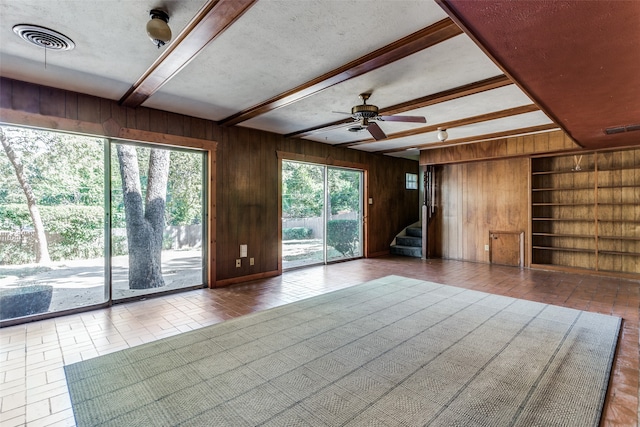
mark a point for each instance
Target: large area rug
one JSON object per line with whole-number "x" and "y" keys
{"x": 390, "y": 352}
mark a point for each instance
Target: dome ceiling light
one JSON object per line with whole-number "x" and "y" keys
{"x": 158, "y": 27}
{"x": 442, "y": 135}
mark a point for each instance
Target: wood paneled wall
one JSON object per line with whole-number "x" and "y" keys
{"x": 246, "y": 179}
{"x": 474, "y": 198}
{"x": 541, "y": 143}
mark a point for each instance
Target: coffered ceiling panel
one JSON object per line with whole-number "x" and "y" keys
{"x": 427, "y": 72}
{"x": 278, "y": 45}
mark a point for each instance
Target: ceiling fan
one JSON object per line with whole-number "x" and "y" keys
{"x": 365, "y": 114}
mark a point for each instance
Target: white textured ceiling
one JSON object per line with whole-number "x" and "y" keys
{"x": 274, "y": 47}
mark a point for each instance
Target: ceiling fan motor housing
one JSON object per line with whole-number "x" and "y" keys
{"x": 364, "y": 111}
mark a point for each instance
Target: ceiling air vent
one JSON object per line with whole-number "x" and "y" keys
{"x": 43, "y": 37}
{"x": 621, "y": 129}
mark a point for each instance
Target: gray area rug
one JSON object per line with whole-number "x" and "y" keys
{"x": 390, "y": 352}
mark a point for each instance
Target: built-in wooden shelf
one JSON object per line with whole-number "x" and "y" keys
{"x": 564, "y": 204}
{"x": 636, "y": 239}
{"x": 617, "y": 204}
{"x": 571, "y": 208}
{"x": 562, "y": 188}
{"x": 578, "y": 236}
{"x": 557, "y": 248}
{"x": 602, "y": 187}
{"x": 630, "y": 221}
{"x": 635, "y": 254}
{"x": 571, "y": 171}
{"x": 565, "y": 219}
{"x": 622, "y": 168}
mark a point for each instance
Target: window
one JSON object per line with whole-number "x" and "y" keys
{"x": 321, "y": 213}
{"x": 65, "y": 241}
{"x": 411, "y": 181}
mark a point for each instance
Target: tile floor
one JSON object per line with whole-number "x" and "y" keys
{"x": 33, "y": 389}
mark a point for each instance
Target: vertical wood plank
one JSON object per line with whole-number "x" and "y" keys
{"x": 88, "y": 109}
{"x": 71, "y": 105}
{"x": 6, "y": 90}
{"x": 52, "y": 102}
{"x": 25, "y": 97}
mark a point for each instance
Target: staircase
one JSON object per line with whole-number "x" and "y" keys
{"x": 408, "y": 242}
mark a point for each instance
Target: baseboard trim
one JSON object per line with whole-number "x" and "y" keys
{"x": 242, "y": 279}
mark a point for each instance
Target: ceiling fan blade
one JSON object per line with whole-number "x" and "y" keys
{"x": 376, "y": 132}
{"x": 413, "y": 119}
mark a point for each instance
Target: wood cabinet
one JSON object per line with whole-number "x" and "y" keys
{"x": 585, "y": 211}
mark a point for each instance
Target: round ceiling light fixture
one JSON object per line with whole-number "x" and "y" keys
{"x": 44, "y": 38}
{"x": 442, "y": 135}
{"x": 158, "y": 27}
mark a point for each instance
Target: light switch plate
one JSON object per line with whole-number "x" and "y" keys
{"x": 243, "y": 251}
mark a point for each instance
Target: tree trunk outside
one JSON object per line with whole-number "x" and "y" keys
{"x": 145, "y": 225}
{"x": 42, "y": 248}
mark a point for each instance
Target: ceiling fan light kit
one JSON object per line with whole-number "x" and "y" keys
{"x": 158, "y": 27}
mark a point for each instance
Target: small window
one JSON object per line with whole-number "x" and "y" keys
{"x": 411, "y": 181}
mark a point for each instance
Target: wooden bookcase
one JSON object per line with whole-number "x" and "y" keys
{"x": 585, "y": 211}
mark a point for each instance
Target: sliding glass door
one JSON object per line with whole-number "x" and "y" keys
{"x": 157, "y": 227}
{"x": 321, "y": 214}
{"x": 52, "y": 222}
{"x": 344, "y": 214}
{"x": 84, "y": 221}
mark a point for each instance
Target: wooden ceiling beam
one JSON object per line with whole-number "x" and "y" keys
{"x": 425, "y": 101}
{"x": 494, "y": 115}
{"x": 211, "y": 21}
{"x": 420, "y": 40}
{"x": 477, "y": 138}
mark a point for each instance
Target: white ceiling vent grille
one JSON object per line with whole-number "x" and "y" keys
{"x": 43, "y": 37}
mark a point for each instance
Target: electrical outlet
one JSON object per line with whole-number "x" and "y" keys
{"x": 252, "y": 261}
{"x": 238, "y": 263}
{"x": 486, "y": 248}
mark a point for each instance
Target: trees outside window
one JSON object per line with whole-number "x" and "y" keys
{"x": 54, "y": 225}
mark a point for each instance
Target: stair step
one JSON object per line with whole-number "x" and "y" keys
{"x": 411, "y": 251}
{"x": 409, "y": 241}
{"x": 414, "y": 231}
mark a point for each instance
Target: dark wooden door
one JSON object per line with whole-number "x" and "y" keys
{"x": 506, "y": 247}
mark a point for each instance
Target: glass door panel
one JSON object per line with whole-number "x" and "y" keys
{"x": 344, "y": 214}
{"x": 321, "y": 214}
{"x": 52, "y": 222}
{"x": 156, "y": 218}
{"x": 303, "y": 214}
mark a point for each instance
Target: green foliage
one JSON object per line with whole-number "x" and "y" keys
{"x": 66, "y": 174}
{"x": 75, "y": 232}
{"x": 296, "y": 233}
{"x": 302, "y": 190}
{"x": 119, "y": 245}
{"x": 184, "y": 189}
{"x": 60, "y": 168}
{"x": 344, "y": 190}
{"x": 343, "y": 235}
